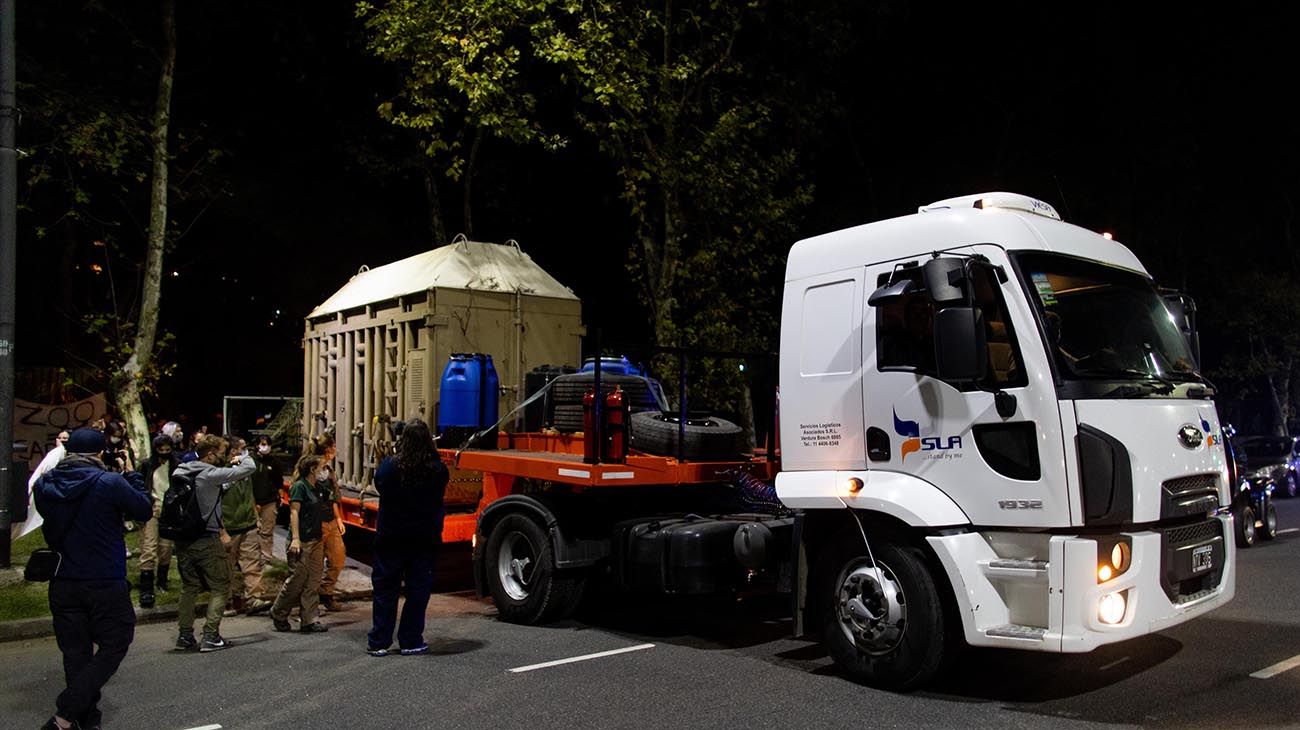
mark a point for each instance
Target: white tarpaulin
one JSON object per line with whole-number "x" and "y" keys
{"x": 464, "y": 265}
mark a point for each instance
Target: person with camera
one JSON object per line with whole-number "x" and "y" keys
{"x": 83, "y": 505}
{"x": 203, "y": 560}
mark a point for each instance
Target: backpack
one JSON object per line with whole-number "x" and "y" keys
{"x": 180, "y": 519}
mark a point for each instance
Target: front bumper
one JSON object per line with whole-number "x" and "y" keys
{"x": 1011, "y": 597}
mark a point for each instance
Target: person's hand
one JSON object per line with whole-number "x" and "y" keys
{"x": 295, "y": 549}
{"x": 225, "y": 539}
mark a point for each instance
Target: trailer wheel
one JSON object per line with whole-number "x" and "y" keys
{"x": 521, "y": 575}
{"x": 1270, "y": 522}
{"x": 707, "y": 438}
{"x": 1245, "y": 518}
{"x": 884, "y": 628}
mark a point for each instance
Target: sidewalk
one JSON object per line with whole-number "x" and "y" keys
{"x": 354, "y": 584}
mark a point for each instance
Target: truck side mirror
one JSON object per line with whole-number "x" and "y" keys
{"x": 945, "y": 280}
{"x": 961, "y": 351}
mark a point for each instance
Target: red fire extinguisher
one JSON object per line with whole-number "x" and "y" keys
{"x": 616, "y": 423}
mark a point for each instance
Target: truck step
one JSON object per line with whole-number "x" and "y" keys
{"x": 1015, "y": 631}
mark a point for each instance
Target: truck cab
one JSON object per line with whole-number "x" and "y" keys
{"x": 995, "y": 432}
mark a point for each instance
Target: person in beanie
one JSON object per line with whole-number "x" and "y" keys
{"x": 84, "y": 505}
{"x": 155, "y": 552}
{"x": 411, "y": 487}
{"x": 203, "y": 560}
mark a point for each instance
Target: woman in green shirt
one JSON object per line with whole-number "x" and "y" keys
{"x": 306, "y": 551}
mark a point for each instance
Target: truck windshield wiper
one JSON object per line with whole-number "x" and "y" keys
{"x": 1148, "y": 382}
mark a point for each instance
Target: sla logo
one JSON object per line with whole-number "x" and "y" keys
{"x": 1211, "y": 438}
{"x": 914, "y": 442}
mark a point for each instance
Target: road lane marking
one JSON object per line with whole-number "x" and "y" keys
{"x": 582, "y": 658}
{"x": 1289, "y": 529}
{"x": 1115, "y": 663}
{"x": 1276, "y": 669}
{"x": 206, "y": 727}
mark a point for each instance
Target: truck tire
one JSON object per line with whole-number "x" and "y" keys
{"x": 707, "y": 439}
{"x": 521, "y": 574}
{"x": 892, "y": 639}
{"x": 1245, "y": 519}
{"x": 1270, "y": 522}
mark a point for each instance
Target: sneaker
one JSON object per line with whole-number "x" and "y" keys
{"x": 213, "y": 643}
{"x": 281, "y": 624}
{"x": 258, "y": 605}
{"x": 377, "y": 652}
{"x": 421, "y": 649}
{"x": 186, "y": 642}
{"x": 314, "y": 627}
{"x": 51, "y": 724}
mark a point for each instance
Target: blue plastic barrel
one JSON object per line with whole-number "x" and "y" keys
{"x": 459, "y": 405}
{"x": 491, "y": 403}
{"x": 612, "y": 365}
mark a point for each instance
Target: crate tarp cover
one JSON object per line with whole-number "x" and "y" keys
{"x": 379, "y": 344}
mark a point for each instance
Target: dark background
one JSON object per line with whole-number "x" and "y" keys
{"x": 1169, "y": 126}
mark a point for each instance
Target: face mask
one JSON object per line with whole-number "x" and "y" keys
{"x": 263, "y": 449}
{"x": 115, "y": 440}
{"x": 164, "y": 454}
{"x": 322, "y": 476}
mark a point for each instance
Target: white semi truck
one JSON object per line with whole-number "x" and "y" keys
{"x": 992, "y": 432}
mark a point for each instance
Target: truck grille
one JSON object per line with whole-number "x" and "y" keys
{"x": 1181, "y": 548}
{"x": 1191, "y": 495}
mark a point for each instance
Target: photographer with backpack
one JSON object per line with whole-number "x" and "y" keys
{"x": 90, "y": 602}
{"x": 200, "y": 537}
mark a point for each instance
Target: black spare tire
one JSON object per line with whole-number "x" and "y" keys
{"x": 708, "y": 438}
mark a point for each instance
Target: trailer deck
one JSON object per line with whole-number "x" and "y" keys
{"x": 554, "y": 458}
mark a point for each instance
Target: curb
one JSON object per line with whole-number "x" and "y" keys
{"x": 43, "y": 626}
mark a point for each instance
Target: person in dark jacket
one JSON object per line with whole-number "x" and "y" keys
{"x": 411, "y": 487}
{"x": 267, "y": 482}
{"x": 84, "y": 506}
{"x": 155, "y": 552}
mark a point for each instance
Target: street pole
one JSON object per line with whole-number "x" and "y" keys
{"x": 8, "y": 261}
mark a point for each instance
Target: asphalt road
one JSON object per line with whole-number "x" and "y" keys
{"x": 716, "y": 668}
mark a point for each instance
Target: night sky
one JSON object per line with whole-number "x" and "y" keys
{"x": 1170, "y": 127}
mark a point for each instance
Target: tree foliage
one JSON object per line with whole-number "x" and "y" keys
{"x": 700, "y": 126}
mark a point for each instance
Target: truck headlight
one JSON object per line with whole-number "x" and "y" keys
{"x": 1114, "y": 555}
{"x": 1111, "y": 608}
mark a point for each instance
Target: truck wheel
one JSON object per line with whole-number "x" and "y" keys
{"x": 707, "y": 438}
{"x": 521, "y": 575}
{"x": 1245, "y": 518}
{"x": 885, "y": 628}
{"x": 1270, "y": 522}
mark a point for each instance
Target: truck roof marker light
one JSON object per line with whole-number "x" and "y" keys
{"x": 1108, "y": 235}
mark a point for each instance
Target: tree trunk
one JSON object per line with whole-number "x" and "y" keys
{"x": 437, "y": 231}
{"x": 129, "y": 379}
{"x": 470, "y": 164}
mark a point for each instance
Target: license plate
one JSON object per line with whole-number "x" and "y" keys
{"x": 1202, "y": 558}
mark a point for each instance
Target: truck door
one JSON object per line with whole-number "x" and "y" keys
{"x": 1001, "y": 469}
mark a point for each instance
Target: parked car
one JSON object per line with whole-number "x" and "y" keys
{"x": 1289, "y": 485}
{"x": 1262, "y": 462}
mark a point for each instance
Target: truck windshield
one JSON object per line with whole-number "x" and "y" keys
{"x": 1105, "y": 324}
